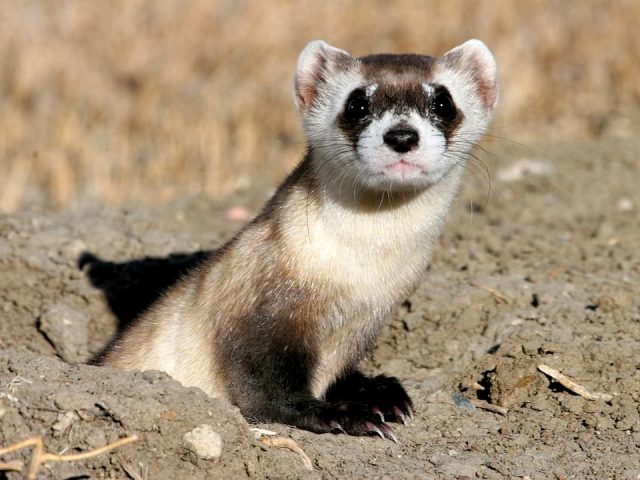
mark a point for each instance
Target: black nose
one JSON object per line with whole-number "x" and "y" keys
{"x": 401, "y": 139}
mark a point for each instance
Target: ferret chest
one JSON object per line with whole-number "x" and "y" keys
{"x": 372, "y": 259}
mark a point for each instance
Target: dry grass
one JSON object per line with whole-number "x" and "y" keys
{"x": 122, "y": 101}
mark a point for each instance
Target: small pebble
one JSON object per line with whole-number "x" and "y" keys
{"x": 523, "y": 168}
{"x": 463, "y": 402}
{"x": 413, "y": 320}
{"x": 204, "y": 441}
{"x": 625, "y": 205}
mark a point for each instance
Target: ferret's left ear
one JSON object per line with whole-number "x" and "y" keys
{"x": 316, "y": 64}
{"x": 475, "y": 59}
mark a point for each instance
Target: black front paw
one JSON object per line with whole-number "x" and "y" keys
{"x": 384, "y": 396}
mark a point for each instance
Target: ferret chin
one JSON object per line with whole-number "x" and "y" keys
{"x": 277, "y": 320}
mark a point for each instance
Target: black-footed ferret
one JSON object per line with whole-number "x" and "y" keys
{"x": 277, "y": 319}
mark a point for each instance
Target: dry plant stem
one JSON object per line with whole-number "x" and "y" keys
{"x": 284, "y": 442}
{"x": 499, "y": 296}
{"x": 571, "y": 385}
{"x": 490, "y": 408}
{"x": 39, "y": 456}
{"x": 13, "y": 466}
{"x": 20, "y": 445}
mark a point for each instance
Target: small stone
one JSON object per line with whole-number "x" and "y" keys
{"x": 524, "y": 168}
{"x": 463, "y": 402}
{"x": 625, "y": 204}
{"x": 413, "y": 320}
{"x": 204, "y": 441}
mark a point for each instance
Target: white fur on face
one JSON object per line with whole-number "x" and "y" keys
{"x": 384, "y": 168}
{"x": 373, "y": 164}
{"x": 333, "y": 154}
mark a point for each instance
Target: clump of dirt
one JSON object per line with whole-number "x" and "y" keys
{"x": 83, "y": 408}
{"x": 545, "y": 272}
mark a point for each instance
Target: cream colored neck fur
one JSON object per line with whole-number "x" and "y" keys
{"x": 375, "y": 246}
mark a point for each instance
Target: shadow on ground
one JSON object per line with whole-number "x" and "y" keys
{"x": 131, "y": 287}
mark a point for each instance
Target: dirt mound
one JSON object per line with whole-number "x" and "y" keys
{"x": 546, "y": 272}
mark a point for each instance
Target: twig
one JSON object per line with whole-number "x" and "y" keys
{"x": 477, "y": 387}
{"x": 40, "y": 456}
{"x": 499, "y": 296}
{"x": 13, "y": 466}
{"x": 284, "y": 442}
{"x": 489, "y": 407}
{"x": 573, "y": 386}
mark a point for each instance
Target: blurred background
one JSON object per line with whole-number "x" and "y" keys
{"x": 125, "y": 102}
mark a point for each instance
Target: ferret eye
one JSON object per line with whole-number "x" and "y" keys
{"x": 357, "y": 107}
{"x": 442, "y": 105}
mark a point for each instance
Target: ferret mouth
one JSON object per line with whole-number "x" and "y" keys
{"x": 403, "y": 169}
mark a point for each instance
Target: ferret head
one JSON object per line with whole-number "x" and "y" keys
{"x": 393, "y": 122}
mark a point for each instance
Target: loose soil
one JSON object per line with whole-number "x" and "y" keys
{"x": 543, "y": 270}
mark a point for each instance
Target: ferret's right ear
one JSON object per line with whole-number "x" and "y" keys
{"x": 316, "y": 64}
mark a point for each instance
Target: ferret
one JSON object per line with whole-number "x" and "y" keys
{"x": 277, "y": 320}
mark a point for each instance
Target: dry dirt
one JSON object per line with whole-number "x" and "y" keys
{"x": 545, "y": 272}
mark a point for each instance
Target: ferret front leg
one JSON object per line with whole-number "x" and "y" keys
{"x": 270, "y": 383}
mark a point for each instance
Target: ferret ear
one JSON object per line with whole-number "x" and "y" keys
{"x": 316, "y": 64}
{"x": 474, "y": 59}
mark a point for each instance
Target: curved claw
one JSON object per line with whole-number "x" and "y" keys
{"x": 373, "y": 428}
{"x": 398, "y": 413}
{"x": 378, "y": 412}
{"x": 389, "y": 434}
{"x": 336, "y": 426}
{"x": 408, "y": 409}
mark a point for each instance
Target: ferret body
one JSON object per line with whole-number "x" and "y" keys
{"x": 277, "y": 320}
